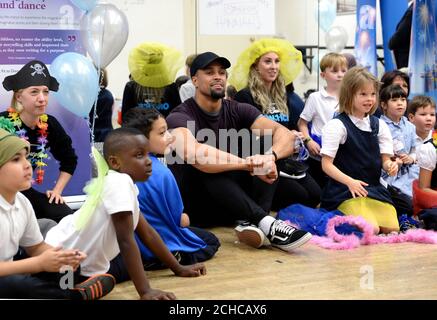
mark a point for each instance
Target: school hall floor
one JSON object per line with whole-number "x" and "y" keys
{"x": 384, "y": 271}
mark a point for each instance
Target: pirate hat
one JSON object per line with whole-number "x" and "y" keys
{"x": 34, "y": 73}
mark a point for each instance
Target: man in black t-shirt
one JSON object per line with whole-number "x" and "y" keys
{"x": 221, "y": 181}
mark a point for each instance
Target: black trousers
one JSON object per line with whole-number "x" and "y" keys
{"x": 44, "y": 209}
{"x": 304, "y": 191}
{"x": 119, "y": 271}
{"x": 402, "y": 202}
{"x": 43, "y": 285}
{"x": 223, "y": 198}
{"x": 315, "y": 170}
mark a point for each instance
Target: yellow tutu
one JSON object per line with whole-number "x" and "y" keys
{"x": 154, "y": 65}
{"x": 290, "y": 57}
{"x": 378, "y": 213}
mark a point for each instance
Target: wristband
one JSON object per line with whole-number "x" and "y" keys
{"x": 275, "y": 155}
{"x": 307, "y": 139}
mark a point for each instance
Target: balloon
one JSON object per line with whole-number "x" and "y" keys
{"x": 326, "y": 14}
{"x": 336, "y": 39}
{"x": 104, "y": 33}
{"x": 85, "y": 5}
{"x": 78, "y": 82}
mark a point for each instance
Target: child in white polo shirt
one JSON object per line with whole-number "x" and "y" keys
{"x": 104, "y": 229}
{"x": 34, "y": 277}
{"x": 320, "y": 108}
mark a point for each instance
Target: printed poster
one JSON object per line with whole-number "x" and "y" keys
{"x": 42, "y": 30}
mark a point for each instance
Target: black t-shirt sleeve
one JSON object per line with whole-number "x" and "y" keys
{"x": 179, "y": 117}
{"x": 61, "y": 146}
{"x": 247, "y": 114}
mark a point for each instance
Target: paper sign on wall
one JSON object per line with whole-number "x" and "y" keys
{"x": 236, "y": 17}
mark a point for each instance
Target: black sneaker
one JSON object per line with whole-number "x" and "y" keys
{"x": 96, "y": 286}
{"x": 250, "y": 234}
{"x": 286, "y": 237}
{"x": 292, "y": 168}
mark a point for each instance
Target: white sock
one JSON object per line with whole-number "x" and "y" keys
{"x": 265, "y": 224}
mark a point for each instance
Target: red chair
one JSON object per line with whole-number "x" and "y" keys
{"x": 422, "y": 199}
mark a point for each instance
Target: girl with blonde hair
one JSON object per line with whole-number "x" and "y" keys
{"x": 27, "y": 119}
{"x": 356, "y": 146}
{"x": 261, "y": 74}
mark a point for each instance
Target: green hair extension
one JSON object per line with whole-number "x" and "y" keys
{"x": 94, "y": 190}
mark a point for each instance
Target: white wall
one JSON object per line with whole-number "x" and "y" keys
{"x": 173, "y": 22}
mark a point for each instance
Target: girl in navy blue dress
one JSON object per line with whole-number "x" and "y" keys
{"x": 356, "y": 146}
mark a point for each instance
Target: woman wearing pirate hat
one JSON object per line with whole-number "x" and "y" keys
{"x": 26, "y": 118}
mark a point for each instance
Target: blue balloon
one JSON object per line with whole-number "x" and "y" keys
{"x": 326, "y": 15}
{"x": 86, "y": 5}
{"x": 78, "y": 82}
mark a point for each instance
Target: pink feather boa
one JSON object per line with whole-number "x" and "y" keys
{"x": 337, "y": 241}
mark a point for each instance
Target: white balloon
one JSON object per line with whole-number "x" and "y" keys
{"x": 336, "y": 39}
{"x": 105, "y": 30}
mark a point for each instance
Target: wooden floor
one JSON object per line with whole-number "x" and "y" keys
{"x": 388, "y": 271}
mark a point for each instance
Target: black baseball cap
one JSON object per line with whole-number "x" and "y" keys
{"x": 205, "y": 59}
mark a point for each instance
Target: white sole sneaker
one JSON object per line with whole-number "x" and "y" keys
{"x": 291, "y": 246}
{"x": 250, "y": 235}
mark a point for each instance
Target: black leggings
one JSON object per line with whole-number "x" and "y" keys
{"x": 44, "y": 209}
{"x": 221, "y": 199}
{"x": 44, "y": 285}
{"x": 289, "y": 191}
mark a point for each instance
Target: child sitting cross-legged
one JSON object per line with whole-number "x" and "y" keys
{"x": 104, "y": 227}
{"x": 35, "y": 276}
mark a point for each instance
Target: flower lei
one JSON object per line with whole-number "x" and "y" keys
{"x": 36, "y": 158}
{"x": 434, "y": 138}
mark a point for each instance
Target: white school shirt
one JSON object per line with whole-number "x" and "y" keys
{"x": 18, "y": 227}
{"x": 98, "y": 239}
{"x": 420, "y": 141}
{"x": 426, "y": 156}
{"x": 334, "y": 134}
{"x": 187, "y": 90}
{"x": 319, "y": 109}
